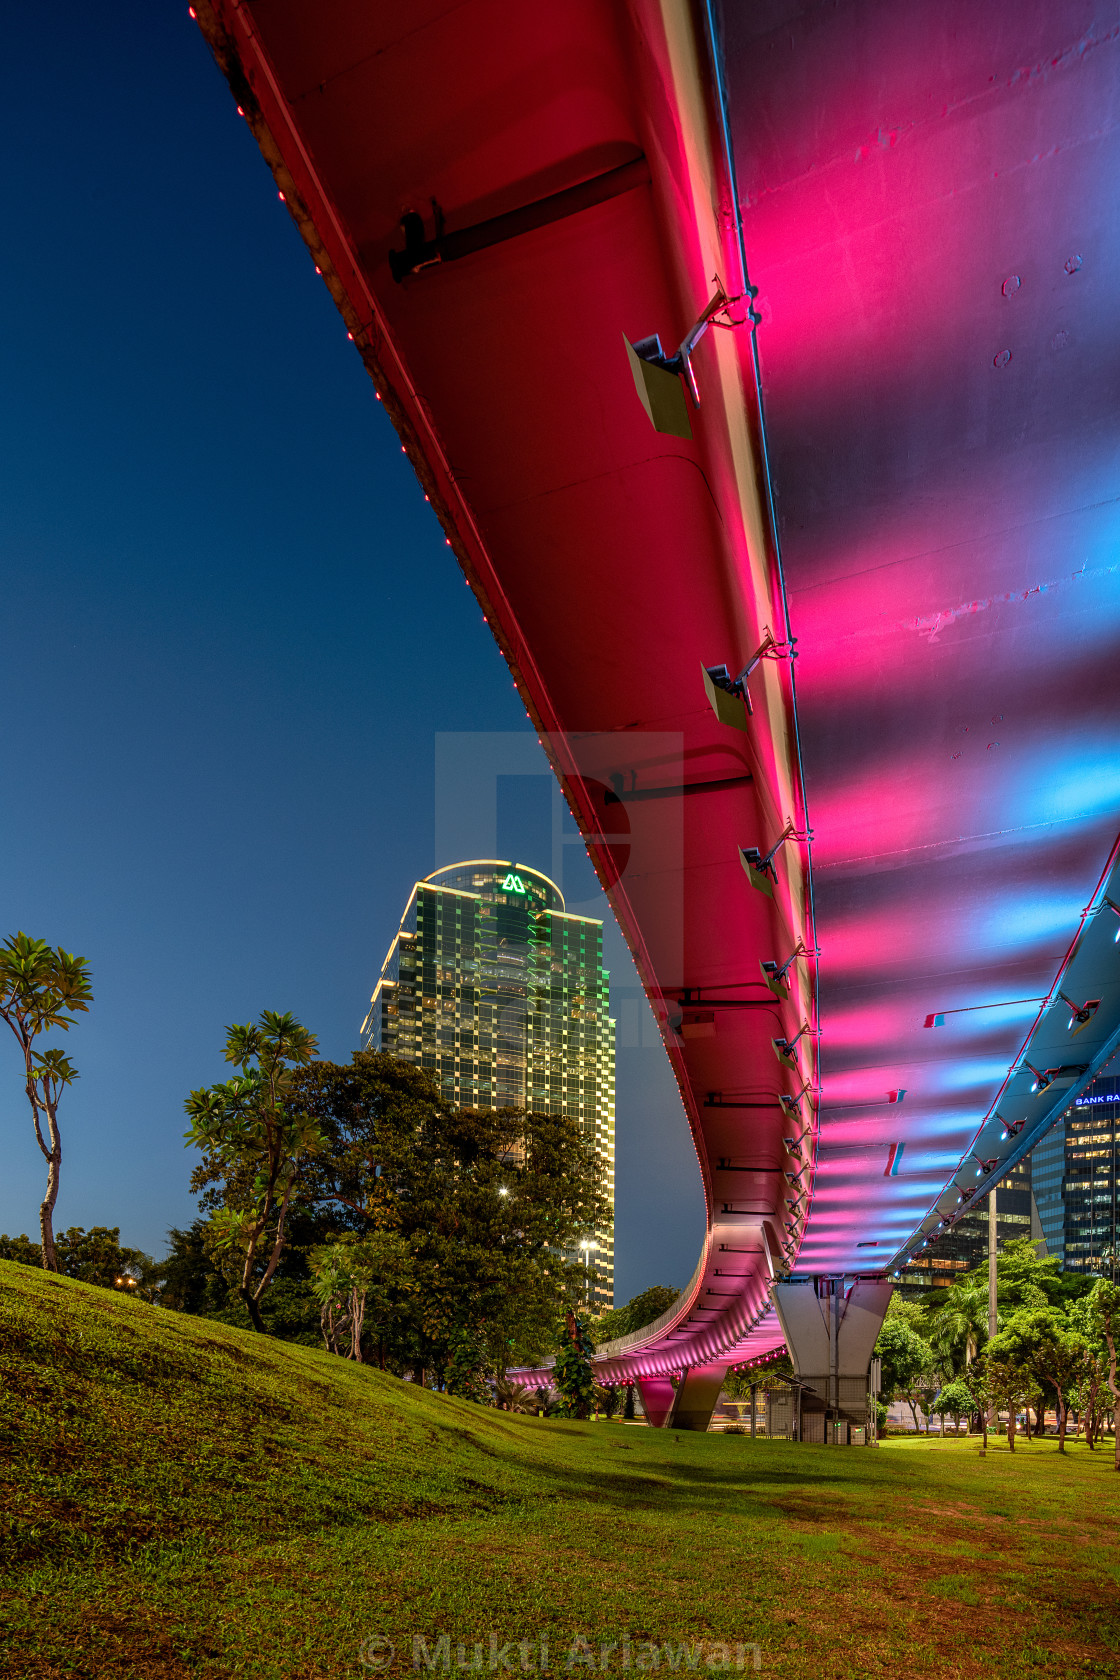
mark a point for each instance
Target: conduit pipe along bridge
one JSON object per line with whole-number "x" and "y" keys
{"x": 869, "y": 892}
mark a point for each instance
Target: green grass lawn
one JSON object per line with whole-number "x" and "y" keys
{"x": 183, "y": 1499}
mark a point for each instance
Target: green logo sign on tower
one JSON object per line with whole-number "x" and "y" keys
{"x": 513, "y": 883}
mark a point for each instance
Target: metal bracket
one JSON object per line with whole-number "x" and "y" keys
{"x": 784, "y": 1047}
{"x": 760, "y": 870}
{"x": 774, "y": 974}
{"x": 768, "y": 648}
{"x": 650, "y": 349}
{"x": 1080, "y": 1013}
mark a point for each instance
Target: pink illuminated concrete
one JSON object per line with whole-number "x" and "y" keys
{"x": 925, "y": 199}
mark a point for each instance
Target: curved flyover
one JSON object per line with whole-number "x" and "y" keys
{"x": 929, "y": 230}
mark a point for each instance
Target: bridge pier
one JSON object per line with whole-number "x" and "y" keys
{"x": 657, "y": 1400}
{"x": 697, "y": 1394}
{"x": 831, "y": 1325}
{"x": 691, "y": 1404}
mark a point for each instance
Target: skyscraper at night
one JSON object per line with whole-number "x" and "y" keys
{"x": 1075, "y": 1175}
{"x": 499, "y": 991}
{"x": 952, "y": 1253}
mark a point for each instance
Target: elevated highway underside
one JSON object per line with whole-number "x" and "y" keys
{"x": 910, "y": 466}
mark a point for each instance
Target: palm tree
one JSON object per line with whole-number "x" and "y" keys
{"x": 960, "y": 1324}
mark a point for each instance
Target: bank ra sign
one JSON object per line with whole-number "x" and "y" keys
{"x": 513, "y": 883}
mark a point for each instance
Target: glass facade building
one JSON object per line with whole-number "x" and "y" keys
{"x": 496, "y": 988}
{"x": 965, "y": 1245}
{"x": 1075, "y": 1176}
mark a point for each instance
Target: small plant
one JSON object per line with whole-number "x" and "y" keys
{"x": 735, "y": 1429}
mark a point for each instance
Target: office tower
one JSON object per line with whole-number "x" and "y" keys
{"x": 1075, "y": 1175}
{"x": 502, "y": 993}
{"x": 965, "y": 1245}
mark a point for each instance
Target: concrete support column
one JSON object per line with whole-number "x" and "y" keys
{"x": 697, "y": 1394}
{"x": 657, "y": 1400}
{"x": 831, "y": 1326}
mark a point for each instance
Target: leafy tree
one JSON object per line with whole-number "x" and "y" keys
{"x": 463, "y": 1374}
{"x": 1104, "y": 1310}
{"x": 1089, "y": 1396}
{"x": 192, "y": 1281}
{"x": 639, "y": 1311}
{"x": 956, "y": 1399}
{"x": 1039, "y": 1341}
{"x": 572, "y": 1371}
{"x": 43, "y": 987}
{"x": 488, "y": 1202}
{"x": 94, "y": 1256}
{"x": 21, "y": 1250}
{"x": 906, "y": 1359}
{"x": 354, "y": 1271}
{"x": 999, "y": 1382}
{"x": 253, "y": 1142}
{"x": 609, "y": 1399}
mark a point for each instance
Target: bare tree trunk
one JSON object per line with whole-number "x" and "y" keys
{"x": 1011, "y": 1428}
{"x": 357, "y": 1318}
{"x": 253, "y": 1310}
{"x": 46, "y": 1209}
{"x": 53, "y": 1155}
{"x": 1062, "y": 1418}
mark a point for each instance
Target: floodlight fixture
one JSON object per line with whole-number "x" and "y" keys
{"x": 774, "y": 974}
{"x": 1080, "y": 1013}
{"x": 1056, "y": 1077}
{"x": 784, "y": 1047}
{"x": 722, "y": 689}
{"x": 759, "y": 869}
{"x": 658, "y": 377}
{"x": 1041, "y": 1080}
{"x": 1011, "y": 1128}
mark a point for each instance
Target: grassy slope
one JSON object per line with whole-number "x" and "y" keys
{"x": 187, "y": 1499}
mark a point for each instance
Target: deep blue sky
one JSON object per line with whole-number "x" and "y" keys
{"x": 231, "y": 633}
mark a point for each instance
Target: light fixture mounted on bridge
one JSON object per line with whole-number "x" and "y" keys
{"x": 723, "y": 690}
{"x": 759, "y": 870}
{"x": 1055, "y": 1078}
{"x": 1011, "y": 1128}
{"x": 1080, "y": 1013}
{"x": 657, "y": 377}
{"x": 792, "y": 1105}
{"x": 774, "y": 974}
{"x": 784, "y": 1047}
